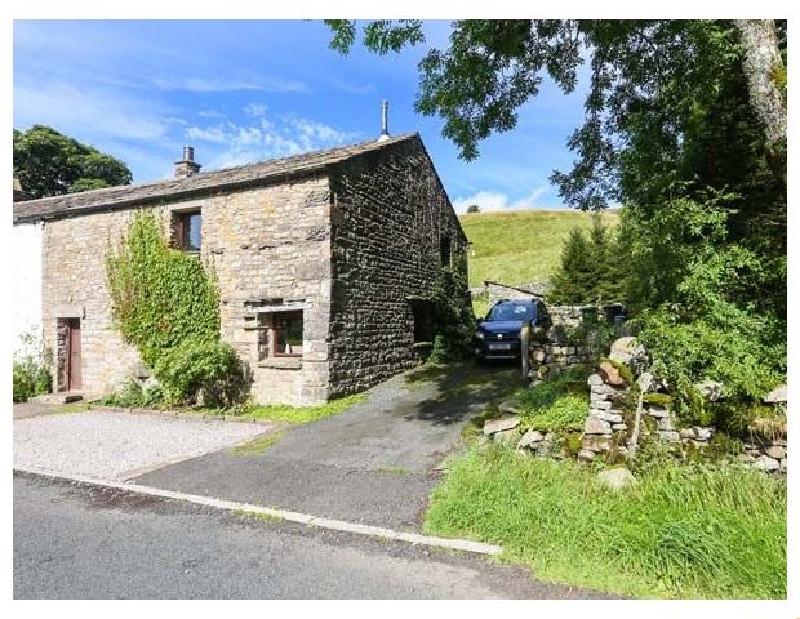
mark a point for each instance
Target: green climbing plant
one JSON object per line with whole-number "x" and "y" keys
{"x": 166, "y": 303}
{"x": 160, "y": 296}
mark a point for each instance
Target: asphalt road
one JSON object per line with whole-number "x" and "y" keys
{"x": 77, "y": 542}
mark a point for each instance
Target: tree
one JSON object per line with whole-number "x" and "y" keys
{"x": 48, "y": 163}
{"x": 766, "y": 78}
{"x": 590, "y": 271}
{"x": 645, "y": 73}
{"x": 473, "y": 208}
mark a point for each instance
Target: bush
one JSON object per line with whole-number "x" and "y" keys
{"x": 31, "y": 373}
{"x": 24, "y": 387}
{"x": 197, "y": 369}
{"x": 133, "y": 395}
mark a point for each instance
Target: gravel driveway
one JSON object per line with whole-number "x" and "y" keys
{"x": 118, "y": 446}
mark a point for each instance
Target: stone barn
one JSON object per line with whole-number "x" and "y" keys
{"x": 324, "y": 262}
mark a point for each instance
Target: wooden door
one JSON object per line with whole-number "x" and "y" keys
{"x": 74, "y": 379}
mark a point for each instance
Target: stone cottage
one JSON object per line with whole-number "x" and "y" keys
{"x": 324, "y": 262}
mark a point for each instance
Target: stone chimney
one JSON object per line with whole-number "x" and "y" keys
{"x": 186, "y": 167}
{"x": 384, "y": 122}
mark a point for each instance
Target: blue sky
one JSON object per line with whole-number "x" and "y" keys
{"x": 248, "y": 90}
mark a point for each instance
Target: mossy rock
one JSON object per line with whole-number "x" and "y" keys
{"x": 624, "y": 371}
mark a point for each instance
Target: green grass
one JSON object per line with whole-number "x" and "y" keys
{"x": 257, "y": 446}
{"x": 520, "y": 246}
{"x": 258, "y": 516}
{"x": 302, "y": 414}
{"x": 679, "y": 533}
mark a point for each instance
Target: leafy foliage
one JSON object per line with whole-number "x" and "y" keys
{"x": 208, "y": 368}
{"x": 49, "y": 163}
{"x": 166, "y": 305}
{"x": 134, "y": 395}
{"x": 31, "y": 370}
{"x": 160, "y": 296}
{"x": 454, "y": 320}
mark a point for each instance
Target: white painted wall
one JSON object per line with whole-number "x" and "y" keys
{"x": 26, "y": 244}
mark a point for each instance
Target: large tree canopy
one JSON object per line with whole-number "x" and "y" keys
{"x": 48, "y": 163}
{"x": 648, "y": 77}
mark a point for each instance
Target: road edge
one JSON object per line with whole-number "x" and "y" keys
{"x": 280, "y": 514}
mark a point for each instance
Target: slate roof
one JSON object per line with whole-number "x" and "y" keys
{"x": 285, "y": 168}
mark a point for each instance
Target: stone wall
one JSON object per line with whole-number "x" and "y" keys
{"x": 255, "y": 255}
{"x": 270, "y": 249}
{"x": 74, "y": 286}
{"x": 391, "y": 218}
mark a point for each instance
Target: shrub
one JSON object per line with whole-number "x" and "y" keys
{"x": 454, "y": 318}
{"x": 31, "y": 372}
{"x": 23, "y": 384}
{"x": 207, "y": 369}
{"x": 133, "y": 395}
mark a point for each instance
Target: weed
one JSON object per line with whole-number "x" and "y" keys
{"x": 257, "y": 446}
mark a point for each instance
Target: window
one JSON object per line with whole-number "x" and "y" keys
{"x": 444, "y": 250}
{"x": 280, "y": 334}
{"x": 186, "y": 230}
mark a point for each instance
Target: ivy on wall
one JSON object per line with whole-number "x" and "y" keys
{"x": 160, "y": 296}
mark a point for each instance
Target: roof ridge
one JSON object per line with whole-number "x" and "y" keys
{"x": 37, "y": 209}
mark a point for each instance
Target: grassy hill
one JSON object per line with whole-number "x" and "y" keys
{"x": 516, "y": 247}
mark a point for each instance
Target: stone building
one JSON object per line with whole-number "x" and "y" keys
{"x": 324, "y": 263}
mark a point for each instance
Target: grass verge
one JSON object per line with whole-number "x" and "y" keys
{"x": 303, "y": 414}
{"x": 680, "y": 533}
{"x": 257, "y": 446}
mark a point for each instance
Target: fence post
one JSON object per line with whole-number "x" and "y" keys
{"x": 525, "y": 351}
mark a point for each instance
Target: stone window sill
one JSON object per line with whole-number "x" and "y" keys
{"x": 286, "y": 363}
{"x": 423, "y": 345}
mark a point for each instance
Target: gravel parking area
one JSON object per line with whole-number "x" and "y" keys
{"x": 118, "y": 446}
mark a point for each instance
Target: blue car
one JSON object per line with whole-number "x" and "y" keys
{"x": 498, "y": 335}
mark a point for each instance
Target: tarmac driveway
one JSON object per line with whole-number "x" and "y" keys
{"x": 375, "y": 463}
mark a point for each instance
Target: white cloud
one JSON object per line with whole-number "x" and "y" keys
{"x": 268, "y": 137}
{"x": 210, "y": 85}
{"x": 255, "y": 110}
{"x": 209, "y": 134}
{"x": 498, "y": 201}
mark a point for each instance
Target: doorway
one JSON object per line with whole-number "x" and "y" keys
{"x": 69, "y": 354}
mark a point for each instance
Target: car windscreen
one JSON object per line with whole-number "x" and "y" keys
{"x": 512, "y": 311}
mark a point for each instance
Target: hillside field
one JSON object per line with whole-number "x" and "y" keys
{"x": 517, "y": 247}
